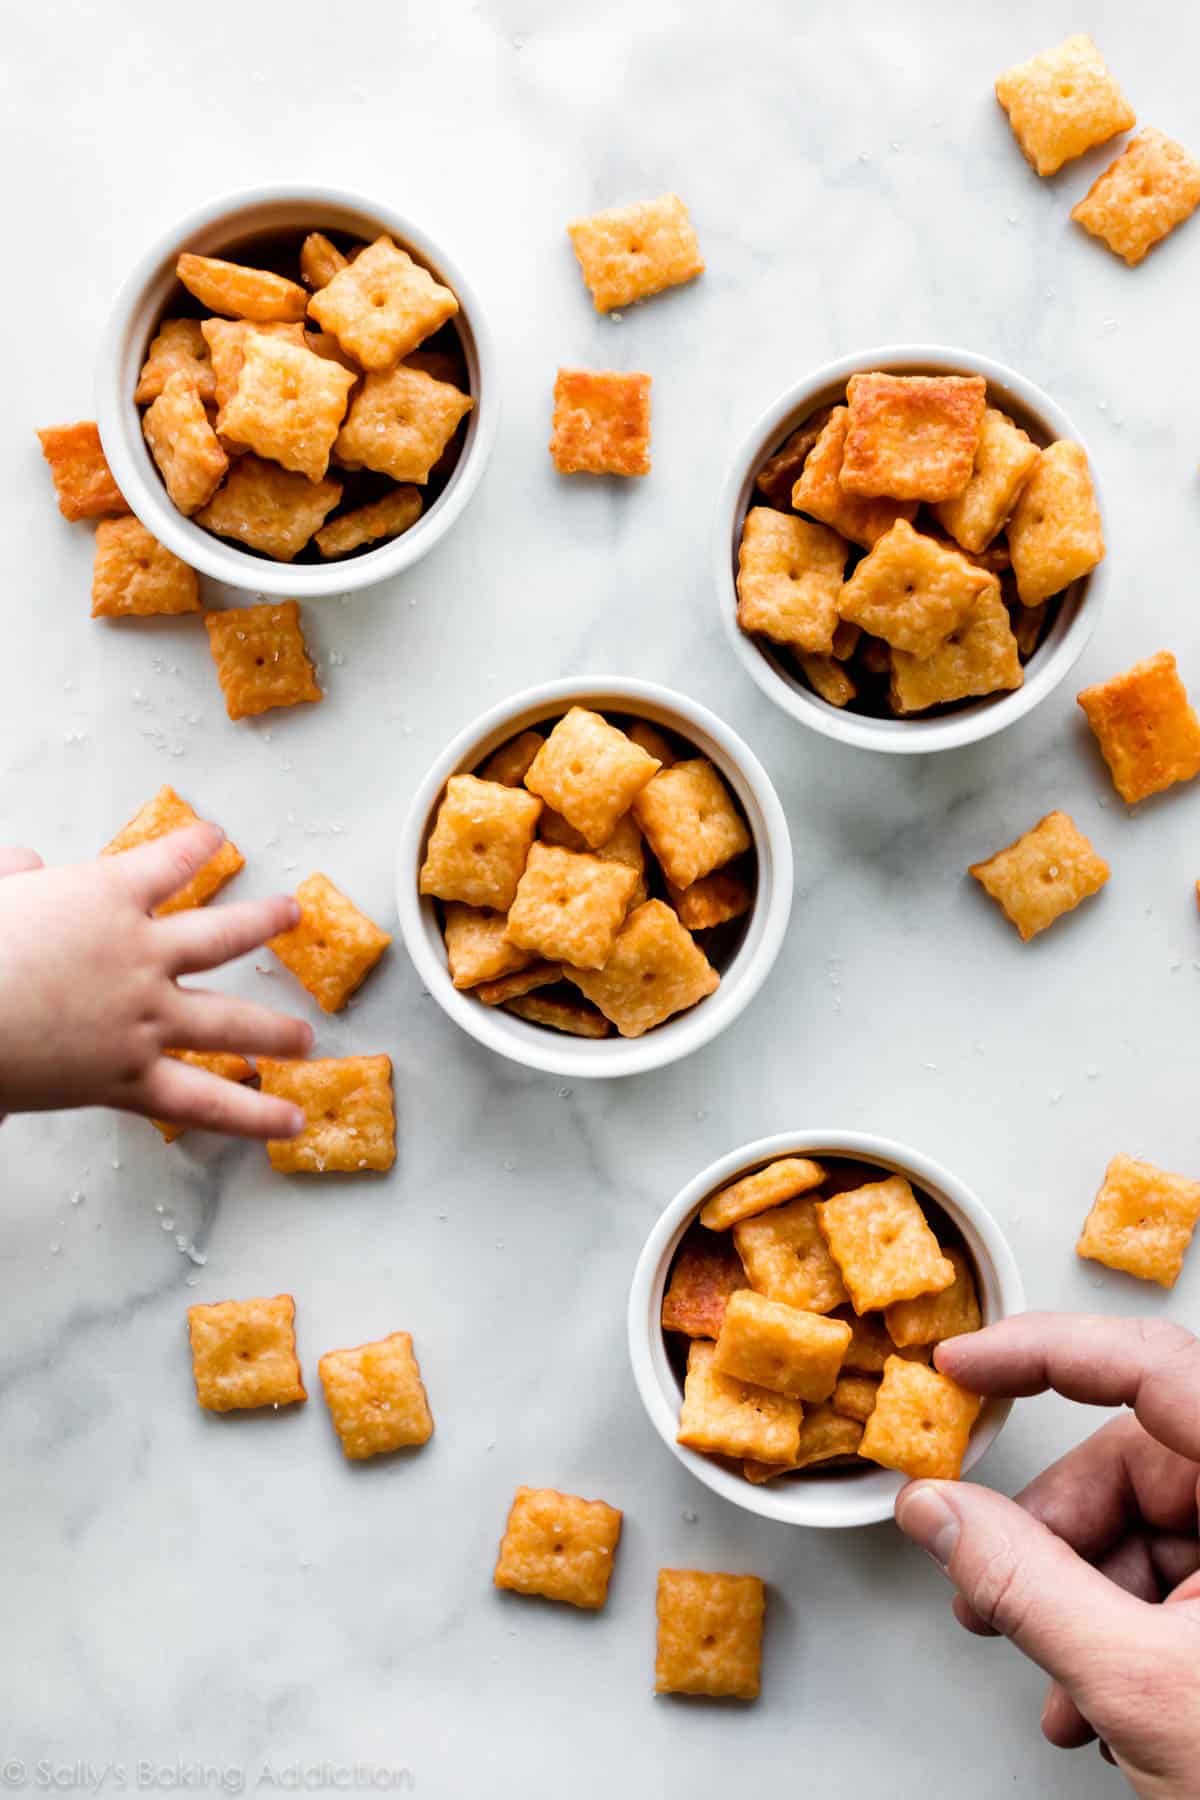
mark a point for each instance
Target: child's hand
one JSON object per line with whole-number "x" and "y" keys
{"x": 89, "y": 999}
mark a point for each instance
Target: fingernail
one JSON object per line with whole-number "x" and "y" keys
{"x": 925, "y": 1517}
{"x": 297, "y": 1122}
{"x": 293, "y": 912}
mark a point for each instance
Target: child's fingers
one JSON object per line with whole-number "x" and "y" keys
{"x": 204, "y": 938}
{"x": 16, "y": 861}
{"x": 181, "y": 1094}
{"x": 198, "y": 1020}
{"x": 153, "y": 872}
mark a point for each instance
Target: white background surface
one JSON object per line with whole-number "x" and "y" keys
{"x": 186, "y": 1589}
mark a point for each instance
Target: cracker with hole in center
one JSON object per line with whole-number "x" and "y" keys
{"x": 382, "y": 305}
{"x": 288, "y": 404}
{"x": 135, "y": 576}
{"x": 1141, "y": 1221}
{"x": 590, "y": 772}
{"x": 690, "y": 821}
{"x": 569, "y": 906}
{"x": 724, "y": 1416}
{"x": 789, "y": 579}
{"x": 881, "y": 1242}
{"x": 921, "y": 1422}
{"x": 1042, "y": 875}
{"x": 261, "y": 657}
{"x": 1153, "y": 186}
{"x": 709, "y": 1634}
{"x": 780, "y": 1347}
{"x": 786, "y": 1258}
{"x": 399, "y": 423}
{"x": 1063, "y": 102}
{"x": 244, "y": 1354}
{"x": 980, "y": 656}
{"x": 628, "y": 253}
{"x": 347, "y": 1104}
{"x": 656, "y": 969}
{"x": 376, "y": 1397}
{"x": 480, "y": 842}
{"x": 559, "y": 1547}
{"x": 913, "y": 591}
{"x": 168, "y": 812}
{"x": 1055, "y": 535}
{"x": 333, "y": 948}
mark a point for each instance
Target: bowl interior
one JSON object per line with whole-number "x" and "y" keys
{"x": 1038, "y": 416}
{"x": 737, "y": 953}
{"x": 259, "y": 229}
{"x": 847, "y": 1495}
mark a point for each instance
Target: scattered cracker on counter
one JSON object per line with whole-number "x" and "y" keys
{"x": 1047, "y": 872}
{"x": 167, "y": 812}
{"x": 1146, "y": 727}
{"x": 629, "y": 253}
{"x": 709, "y": 1634}
{"x": 134, "y": 576}
{"x": 559, "y": 1547}
{"x": 1141, "y": 1221}
{"x": 333, "y": 947}
{"x": 347, "y": 1104}
{"x": 1063, "y": 102}
{"x": 83, "y": 481}
{"x": 601, "y": 423}
{"x": 244, "y": 1354}
{"x": 261, "y": 657}
{"x": 376, "y": 1397}
{"x": 1153, "y": 186}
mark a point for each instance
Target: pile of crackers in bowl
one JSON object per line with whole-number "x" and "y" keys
{"x": 802, "y": 1310}
{"x": 311, "y": 406}
{"x": 908, "y": 544}
{"x": 592, "y": 877}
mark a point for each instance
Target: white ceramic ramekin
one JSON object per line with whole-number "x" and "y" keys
{"x": 216, "y": 230}
{"x": 1078, "y": 609}
{"x": 836, "y": 1499}
{"x": 534, "y": 1045}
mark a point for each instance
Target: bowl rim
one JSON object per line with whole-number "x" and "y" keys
{"x": 554, "y": 1053}
{"x": 119, "y": 422}
{"x": 838, "y": 1503}
{"x": 976, "y": 719}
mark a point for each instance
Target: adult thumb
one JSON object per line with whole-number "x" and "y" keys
{"x": 1028, "y": 1585}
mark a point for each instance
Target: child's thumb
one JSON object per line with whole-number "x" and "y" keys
{"x": 1029, "y": 1585}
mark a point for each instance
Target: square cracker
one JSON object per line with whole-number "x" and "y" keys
{"x": 184, "y": 444}
{"x": 241, "y": 292}
{"x": 921, "y": 1422}
{"x": 334, "y": 947}
{"x": 825, "y": 1435}
{"x": 288, "y": 404}
{"x": 179, "y": 344}
{"x": 83, "y": 481}
{"x": 226, "y": 341}
{"x": 1141, "y": 1221}
{"x": 724, "y": 1416}
{"x": 510, "y": 764}
{"x": 980, "y": 656}
{"x": 244, "y": 1354}
{"x": 713, "y": 900}
{"x": 855, "y": 1395}
{"x": 828, "y": 679}
{"x": 652, "y": 741}
{"x": 478, "y": 947}
{"x": 569, "y": 906}
{"x": 1055, "y": 534}
{"x": 167, "y": 812}
{"x": 819, "y": 490}
{"x": 269, "y": 508}
{"x": 1146, "y": 727}
{"x": 559, "y": 1015}
{"x": 1063, "y": 102}
{"x": 768, "y": 1187}
{"x": 222, "y": 1063}
{"x": 479, "y": 844}
{"x": 382, "y": 305}
{"x": 656, "y": 969}
{"x": 590, "y": 772}
{"x": 347, "y": 1101}
{"x": 601, "y": 423}
{"x": 690, "y": 821}
{"x": 376, "y": 1397}
{"x": 911, "y": 437}
{"x": 1042, "y": 875}
{"x": 879, "y": 1239}
{"x": 134, "y": 575}
{"x": 261, "y": 658}
{"x": 789, "y": 579}
{"x": 624, "y": 845}
{"x": 932, "y": 1317}
{"x": 1153, "y": 186}
{"x": 1004, "y": 461}
{"x": 779, "y": 1347}
{"x": 786, "y": 1258}
{"x": 559, "y": 1547}
{"x": 628, "y": 253}
{"x": 709, "y": 1634}
{"x": 399, "y": 423}
{"x": 705, "y": 1272}
{"x": 912, "y": 590}
{"x": 384, "y": 518}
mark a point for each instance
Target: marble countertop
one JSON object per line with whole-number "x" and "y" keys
{"x": 229, "y": 1596}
